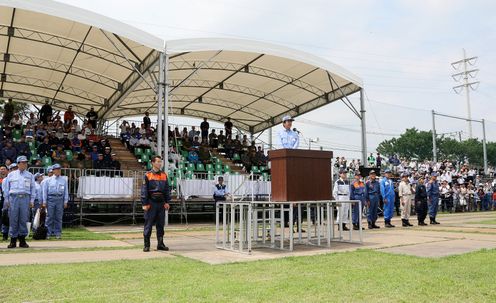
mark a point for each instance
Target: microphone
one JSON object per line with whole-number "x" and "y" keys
{"x": 295, "y": 130}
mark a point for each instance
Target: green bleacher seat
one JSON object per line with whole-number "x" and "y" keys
{"x": 254, "y": 169}
{"x": 145, "y": 158}
{"x": 210, "y": 175}
{"x": 190, "y": 167}
{"x": 236, "y": 157}
{"x": 47, "y": 161}
{"x": 209, "y": 167}
{"x": 34, "y": 156}
{"x": 188, "y": 175}
{"x": 227, "y": 168}
{"x": 235, "y": 173}
{"x": 184, "y": 154}
{"x": 218, "y": 166}
{"x": 262, "y": 168}
{"x": 148, "y": 152}
{"x": 16, "y": 134}
{"x": 149, "y": 165}
{"x": 69, "y": 155}
{"x": 200, "y": 167}
{"x": 32, "y": 145}
{"x": 218, "y": 172}
{"x": 265, "y": 176}
{"x": 138, "y": 151}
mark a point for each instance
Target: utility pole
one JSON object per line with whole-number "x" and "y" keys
{"x": 464, "y": 74}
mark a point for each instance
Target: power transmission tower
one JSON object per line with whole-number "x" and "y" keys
{"x": 463, "y": 65}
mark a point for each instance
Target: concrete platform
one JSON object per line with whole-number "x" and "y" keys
{"x": 456, "y": 235}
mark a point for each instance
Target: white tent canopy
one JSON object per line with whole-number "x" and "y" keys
{"x": 70, "y": 56}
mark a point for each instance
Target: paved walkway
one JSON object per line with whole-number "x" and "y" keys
{"x": 458, "y": 233}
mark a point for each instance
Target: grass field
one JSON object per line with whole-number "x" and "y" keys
{"x": 360, "y": 276}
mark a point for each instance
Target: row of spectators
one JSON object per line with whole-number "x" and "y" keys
{"x": 197, "y": 143}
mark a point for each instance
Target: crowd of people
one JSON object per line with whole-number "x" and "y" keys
{"x": 196, "y": 142}
{"x": 45, "y": 139}
{"x": 459, "y": 187}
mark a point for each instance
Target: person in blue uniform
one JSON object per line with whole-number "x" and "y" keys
{"x": 55, "y": 198}
{"x": 4, "y": 222}
{"x": 288, "y": 138}
{"x": 220, "y": 190}
{"x": 155, "y": 198}
{"x": 357, "y": 192}
{"x": 38, "y": 177}
{"x": 388, "y": 196}
{"x": 19, "y": 192}
{"x": 372, "y": 197}
{"x": 433, "y": 198}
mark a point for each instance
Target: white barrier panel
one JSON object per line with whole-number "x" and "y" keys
{"x": 91, "y": 187}
{"x": 236, "y": 185}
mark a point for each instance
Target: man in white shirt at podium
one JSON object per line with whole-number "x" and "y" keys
{"x": 288, "y": 138}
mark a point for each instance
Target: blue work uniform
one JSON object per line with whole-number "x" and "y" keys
{"x": 55, "y": 193}
{"x": 433, "y": 197}
{"x": 387, "y": 192}
{"x": 37, "y": 199}
{"x": 19, "y": 191}
{"x": 357, "y": 192}
{"x": 5, "y": 212}
{"x": 219, "y": 192}
{"x": 155, "y": 192}
{"x": 289, "y": 139}
{"x": 372, "y": 196}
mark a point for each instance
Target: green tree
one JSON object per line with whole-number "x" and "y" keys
{"x": 8, "y": 108}
{"x": 411, "y": 144}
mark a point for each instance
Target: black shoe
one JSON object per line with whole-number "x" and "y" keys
{"x": 408, "y": 223}
{"x": 22, "y": 242}
{"x": 355, "y": 227}
{"x": 146, "y": 248}
{"x": 371, "y": 226}
{"x": 422, "y": 223}
{"x": 375, "y": 226}
{"x": 161, "y": 245}
{"x": 13, "y": 243}
{"x": 403, "y": 223}
{"x": 388, "y": 224}
{"x": 435, "y": 222}
{"x": 345, "y": 228}
{"x": 5, "y": 236}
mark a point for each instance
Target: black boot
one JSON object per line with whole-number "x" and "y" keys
{"x": 5, "y": 236}
{"x": 345, "y": 228}
{"x": 434, "y": 221}
{"x": 161, "y": 245}
{"x": 146, "y": 248}
{"x": 408, "y": 223}
{"x": 387, "y": 223}
{"x": 403, "y": 223}
{"x": 13, "y": 243}
{"x": 375, "y": 225}
{"x": 371, "y": 226}
{"x": 421, "y": 223}
{"x": 22, "y": 242}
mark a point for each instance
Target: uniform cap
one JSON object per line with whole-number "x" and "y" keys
{"x": 357, "y": 173}
{"x": 372, "y": 172}
{"x": 49, "y": 169}
{"x": 287, "y": 118}
{"x": 13, "y": 165}
{"x": 434, "y": 174}
{"x": 56, "y": 166}
{"x": 387, "y": 170}
{"x": 22, "y": 159}
{"x": 37, "y": 175}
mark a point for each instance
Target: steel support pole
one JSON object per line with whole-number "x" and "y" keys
{"x": 270, "y": 138}
{"x": 434, "y": 148}
{"x": 364, "y": 129}
{"x": 160, "y": 95}
{"x": 166, "y": 111}
{"x": 484, "y": 145}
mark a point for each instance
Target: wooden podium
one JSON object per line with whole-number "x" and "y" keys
{"x": 300, "y": 175}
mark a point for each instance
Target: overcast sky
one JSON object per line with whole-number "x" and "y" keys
{"x": 401, "y": 49}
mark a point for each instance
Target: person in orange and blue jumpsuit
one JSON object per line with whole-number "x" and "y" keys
{"x": 155, "y": 198}
{"x": 357, "y": 192}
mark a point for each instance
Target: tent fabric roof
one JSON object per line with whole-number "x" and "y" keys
{"x": 70, "y": 56}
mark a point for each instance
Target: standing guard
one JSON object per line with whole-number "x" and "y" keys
{"x": 155, "y": 197}
{"x": 341, "y": 192}
{"x": 19, "y": 192}
{"x": 357, "y": 192}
